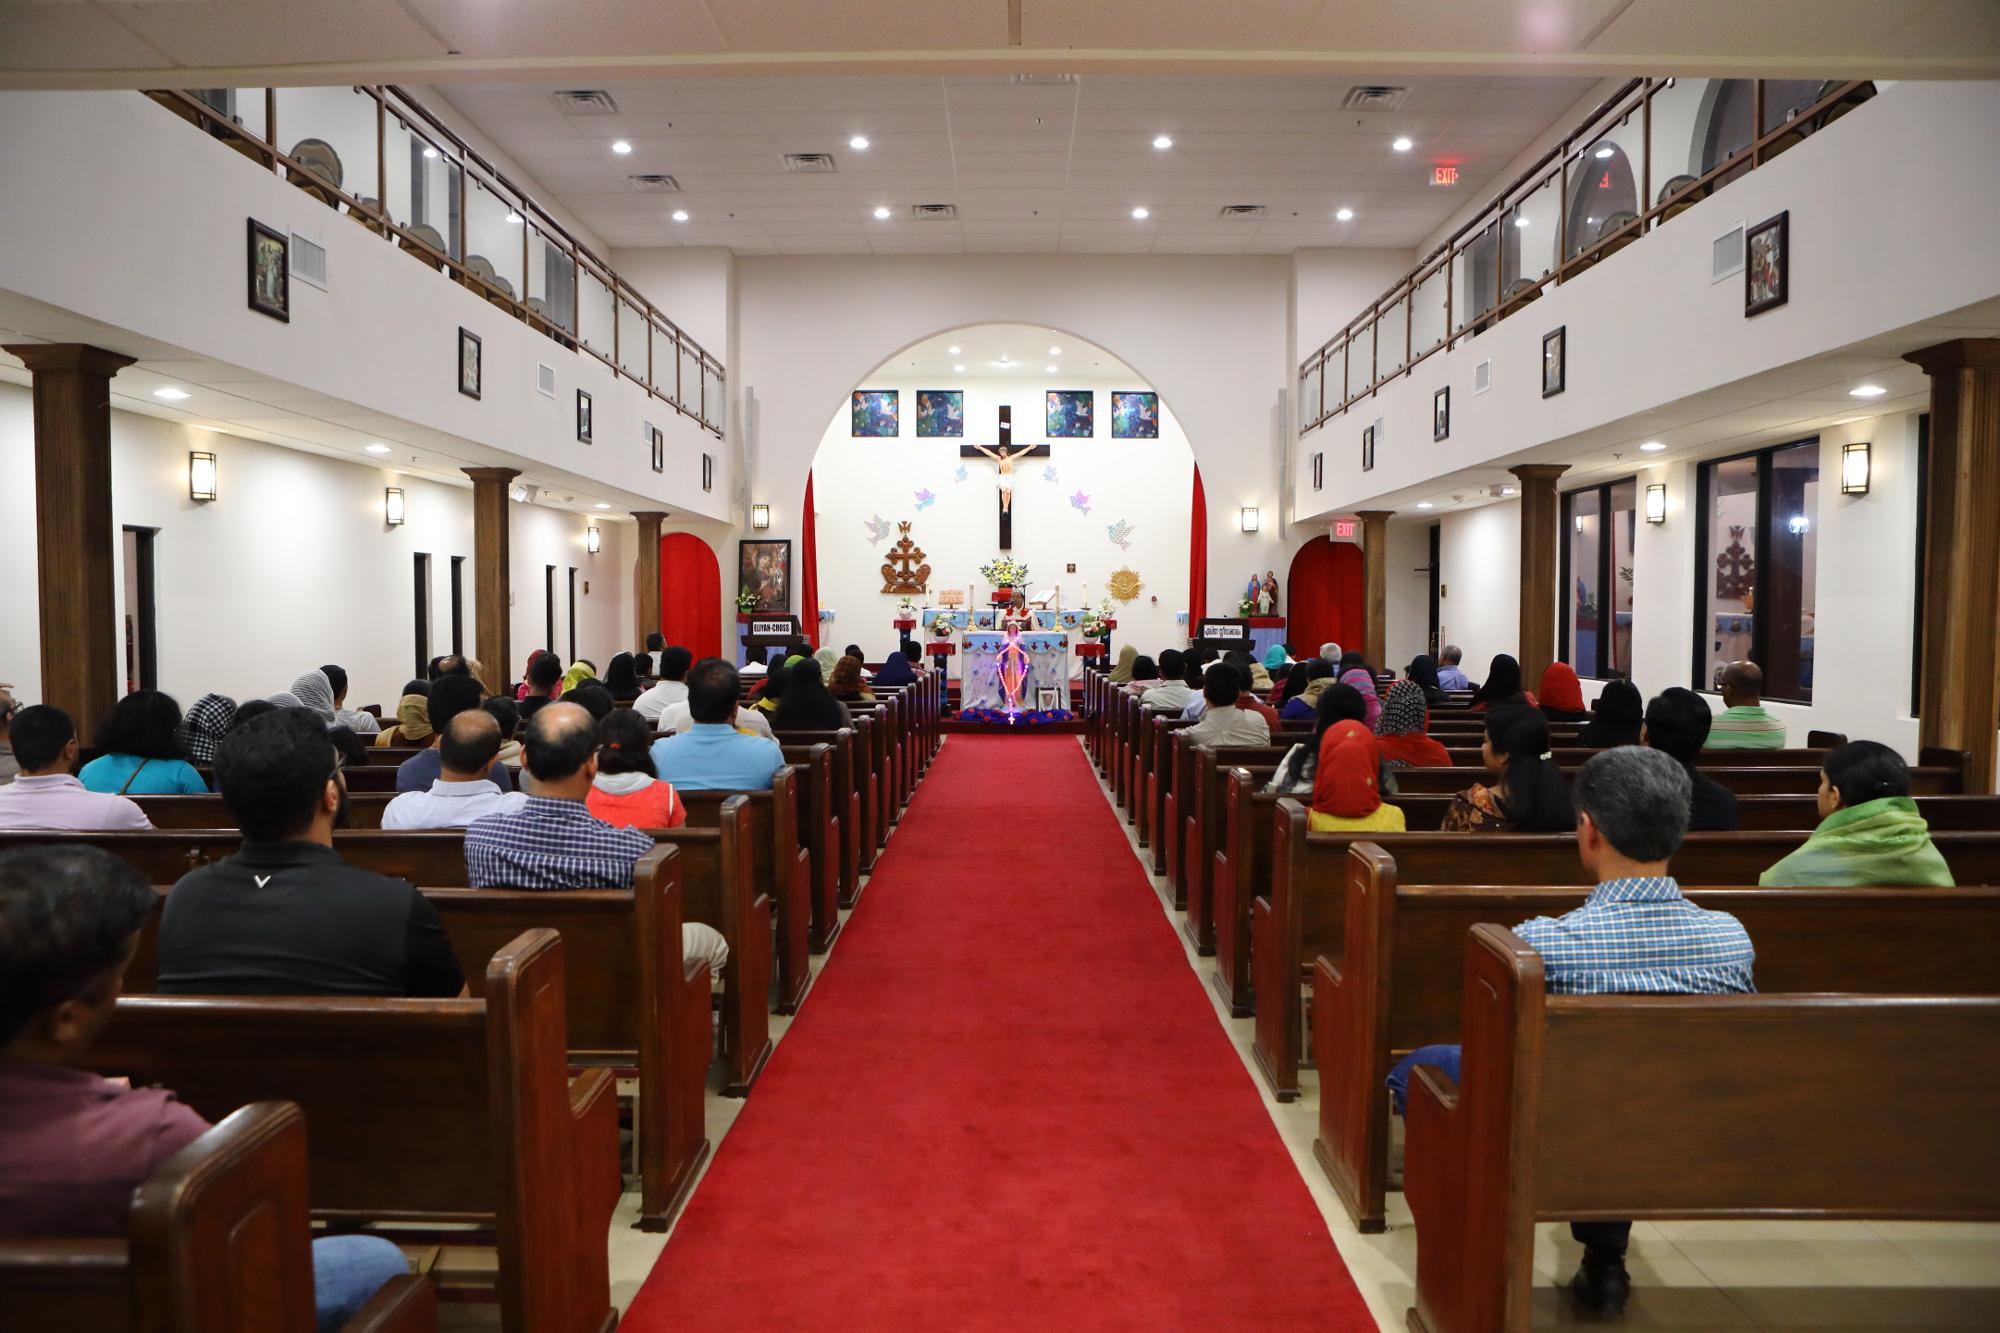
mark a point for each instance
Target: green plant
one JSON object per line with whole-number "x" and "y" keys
{"x": 746, "y": 601}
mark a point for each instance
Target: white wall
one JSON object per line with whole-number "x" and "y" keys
{"x": 1146, "y": 483}
{"x": 1407, "y": 592}
{"x": 1480, "y": 569}
{"x": 292, "y": 566}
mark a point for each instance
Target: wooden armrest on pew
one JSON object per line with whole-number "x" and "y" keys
{"x": 1584, "y": 1107}
{"x": 220, "y": 1238}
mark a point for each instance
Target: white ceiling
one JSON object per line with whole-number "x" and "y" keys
{"x": 126, "y": 43}
{"x": 989, "y": 352}
{"x": 1032, "y": 168}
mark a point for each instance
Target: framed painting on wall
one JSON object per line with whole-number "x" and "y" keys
{"x": 270, "y": 272}
{"x": 1441, "y": 414}
{"x": 708, "y": 472}
{"x": 940, "y": 413}
{"x": 468, "y": 363}
{"x": 582, "y": 417}
{"x": 1555, "y": 361}
{"x": 1367, "y": 448}
{"x": 1071, "y": 414}
{"x": 1135, "y": 415}
{"x": 659, "y": 450}
{"x": 1767, "y": 249}
{"x": 764, "y": 569}
{"x": 1319, "y": 470}
{"x": 877, "y": 413}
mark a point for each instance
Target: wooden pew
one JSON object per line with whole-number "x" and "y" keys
{"x": 849, "y": 798}
{"x": 780, "y": 870}
{"x": 1156, "y": 759}
{"x": 871, "y": 757}
{"x": 220, "y": 1238}
{"x": 1743, "y": 779}
{"x": 1628, "y": 1106}
{"x": 819, "y": 824}
{"x": 1302, "y": 914}
{"x": 458, "y": 1111}
{"x": 1396, "y": 985}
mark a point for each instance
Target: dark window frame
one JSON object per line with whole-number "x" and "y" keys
{"x": 458, "y": 604}
{"x": 421, "y": 568}
{"x": 572, "y": 613}
{"x": 549, "y": 607}
{"x": 1607, "y": 571}
{"x": 1704, "y": 616}
{"x": 146, "y": 615}
{"x": 1923, "y": 554}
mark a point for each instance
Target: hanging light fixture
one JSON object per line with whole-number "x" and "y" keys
{"x": 590, "y": 540}
{"x": 201, "y": 476}
{"x": 1250, "y": 518}
{"x": 1854, "y": 468}
{"x": 760, "y": 517}
{"x": 392, "y": 506}
{"x": 1656, "y": 502}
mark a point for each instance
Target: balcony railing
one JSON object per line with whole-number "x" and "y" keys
{"x": 1581, "y": 202}
{"x": 378, "y": 156}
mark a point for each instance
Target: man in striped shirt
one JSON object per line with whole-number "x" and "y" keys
{"x": 1634, "y": 935}
{"x": 1745, "y": 724}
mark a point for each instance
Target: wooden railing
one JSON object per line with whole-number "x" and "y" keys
{"x": 439, "y": 204}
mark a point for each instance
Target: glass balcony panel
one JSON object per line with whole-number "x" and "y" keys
{"x": 596, "y": 312}
{"x": 331, "y": 132}
{"x": 1392, "y": 329}
{"x": 689, "y": 396}
{"x": 1427, "y": 312}
{"x": 1687, "y": 137}
{"x": 633, "y": 338}
{"x": 493, "y": 238}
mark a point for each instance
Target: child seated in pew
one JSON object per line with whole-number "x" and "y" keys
{"x": 1869, "y": 829}
{"x": 626, "y": 791}
{"x": 77, "y": 1145}
{"x": 1634, "y": 935}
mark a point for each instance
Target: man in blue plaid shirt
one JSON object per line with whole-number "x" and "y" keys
{"x": 1634, "y": 935}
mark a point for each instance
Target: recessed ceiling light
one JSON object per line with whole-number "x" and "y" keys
{"x": 679, "y": 215}
{"x": 171, "y": 394}
{"x": 1403, "y": 144}
{"x": 959, "y": 369}
{"x": 1604, "y": 152}
{"x": 881, "y": 212}
{"x": 1055, "y": 351}
{"x": 1162, "y": 142}
{"x": 1867, "y": 391}
{"x": 859, "y": 143}
{"x": 378, "y": 449}
{"x": 1506, "y": 490}
{"x": 953, "y": 349}
{"x": 1141, "y": 213}
{"x": 513, "y": 217}
{"x": 602, "y": 505}
{"x": 1004, "y": 361}
{"x": 1425, "y": 504}
{"x": 620, "y": 146}
{"x": 1520, "y": 222}
{"x": 1651, "y": 447}
{"x": 1344, "y": 215}
{"x": 1050, "y": 369}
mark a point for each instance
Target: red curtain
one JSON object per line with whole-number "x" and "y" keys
{"x": 690, "y": 594}
{"x": 809, "y": 571}
{"x": 1323, "y": 598}
{"x": 1197, "y": 557}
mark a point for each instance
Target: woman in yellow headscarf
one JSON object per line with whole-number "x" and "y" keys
{"x": 413, "y": 719}
{"x": 1122, "y": 673}
{"x": 579, "y": 671}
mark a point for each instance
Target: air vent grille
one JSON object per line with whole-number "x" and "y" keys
{"x": 654, "y": 184}
{"x": 808, "y": 164}
{"x": 584, "y": 102}
{"x": 1374, "y": 97}
{"x": 1482, "y": 376}
{"x": 1726, "y": 254}
{"x": 545, "y": 380}
{"x": 933, "y": 212}
{"x": 1242, "y": 210}
{"x": 308, "y": 261}
{"x": 1044, "y": 78}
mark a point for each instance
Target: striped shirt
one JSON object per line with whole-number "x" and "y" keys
{"x": 1745, "y": 727}
{"x": 551, "y": 844}
{"x": 1641, "y": 937}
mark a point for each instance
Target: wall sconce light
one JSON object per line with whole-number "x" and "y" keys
{"x": 1854, "y": 468}
{"x": 1656, "y": 502}
{"x": 760, "y": 517}
{"x": 392, "y": 506}
{"x": 1250, "y": 518}
{"x": 590, "y": 540}
{"x": 201, "y": 476}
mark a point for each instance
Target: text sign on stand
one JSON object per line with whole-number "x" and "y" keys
{"x": 1221, "y": 634}
{"x": 780, "y": 627}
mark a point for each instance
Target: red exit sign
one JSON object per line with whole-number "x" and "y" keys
{"x": 1444, "y": 175}
{"x": 1343, "y": 527}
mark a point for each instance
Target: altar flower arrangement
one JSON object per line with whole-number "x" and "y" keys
{"x": 746, "y": 602}
{"x": 1004, "y": 571}
{"x": 944, "y": 625}
{"x": 1245, "y": 607}
{"x": 1094, "y": 626}
{"x": 906, "y": 610}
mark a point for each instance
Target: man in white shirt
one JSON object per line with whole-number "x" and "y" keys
{"x": 680, "y": 717}
{"x": 1173, "y": 693}
{"x": 45, "y": 795}
{"x": 1223, "y": 723}
{"x": 462, "y": 792}
{"x": 671, "y": 690}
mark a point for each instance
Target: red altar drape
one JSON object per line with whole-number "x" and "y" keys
{"x": 809, "y": 571}
{"x": 1197, "y": 557}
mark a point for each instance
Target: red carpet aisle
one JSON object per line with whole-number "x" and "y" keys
{"x": 1007, "y": 1104}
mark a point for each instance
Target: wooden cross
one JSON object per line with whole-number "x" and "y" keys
{"x": 1005, "y": 454}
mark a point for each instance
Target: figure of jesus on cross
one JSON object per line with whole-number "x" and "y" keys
{"x": 1005, "y": 454}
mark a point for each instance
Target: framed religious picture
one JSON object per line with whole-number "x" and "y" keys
{"x": 468, "y": 363}
{"x": 1555, "y": 361}
{"x": 1441, "y": 414}
{"x": 659, "y": 450}
{"x": 940, "y": 414}
{"x": 1367, "y": 448}
{"x": 764, "y": 569}
{"x": 270, "y": 272}
{"x": 877, "y": 413}
{"x": 1767, "y": 250}
{"x": 582, "y": 417}
{"x": 1135, "y": 415}
{"x": 1071, "y": 414}
{"x": 708, "y": 472}
{"x": 1319, "y": 470}
{"x": 1047, "y": 699}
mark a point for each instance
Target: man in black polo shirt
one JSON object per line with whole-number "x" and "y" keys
{"x": 1677, "y": 723}
{"x": 451, "y": 694}
{"x": 285, "y": 915}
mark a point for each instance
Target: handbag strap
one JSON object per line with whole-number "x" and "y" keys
{"x": 134, "y": 777}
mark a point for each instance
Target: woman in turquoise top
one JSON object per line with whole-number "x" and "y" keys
{"x": 1869, "y": 830}
{"x": 143, "y": 754}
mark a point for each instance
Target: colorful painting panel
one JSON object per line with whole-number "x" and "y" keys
{"x": 1072, "y": 414}
{"x": 1135, "y": 416}
{"x": 877, "y": 413}
{"x": 941, "y": 413}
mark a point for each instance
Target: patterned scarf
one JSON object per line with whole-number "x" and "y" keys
{"x": 202, "y": 729}
{"x": 313, "y": 692}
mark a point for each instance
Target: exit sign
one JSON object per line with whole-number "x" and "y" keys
{"x": 1444, "y": 175}
{"x": 1343, "y": 527}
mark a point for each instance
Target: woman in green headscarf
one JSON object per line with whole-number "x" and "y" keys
{"x": 1122, "y": 673}
{"x": 1869, "y": 830}
{"x": 774, "y": 685}
{"x": 828, "y": 659}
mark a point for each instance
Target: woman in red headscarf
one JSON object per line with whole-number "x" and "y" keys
{"x": 1347, "y": 786}
{"x": 1562, "y": 695}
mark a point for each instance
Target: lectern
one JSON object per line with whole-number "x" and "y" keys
{"x": 763, "y": 633}
{"x": 1222, "y": 634}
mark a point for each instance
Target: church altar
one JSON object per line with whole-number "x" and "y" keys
{"x": 1048, "y": 668}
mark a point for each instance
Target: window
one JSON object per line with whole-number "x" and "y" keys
{"x": 572, "y": 613}
{"x": 1599, "y": 526}
{"x": 141, "y": 628}
{"x": 458, "y": 604}
{"x": 423, "y": 607}
{"x": 1756, "y": 549}
{"x": 1923, "y": 554}
{"x": 549, "y": 607}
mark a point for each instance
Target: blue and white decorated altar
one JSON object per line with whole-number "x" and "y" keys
{"x": 1047, "y": 668}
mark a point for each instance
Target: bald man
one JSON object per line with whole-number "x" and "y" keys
{"x": 1744, "y": 723}
{"x": 462, "y": 791}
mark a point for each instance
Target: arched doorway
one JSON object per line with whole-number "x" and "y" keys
{"x": 690, "y": 594}
{"x": 1602, "y": 197}
{"x": 1323, "y": 597}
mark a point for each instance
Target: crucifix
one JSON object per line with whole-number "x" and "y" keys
{"x": 1004, "y": 454}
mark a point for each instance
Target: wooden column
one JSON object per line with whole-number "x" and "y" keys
{"x": 492, "y": 577}
{"x": 646, "y": 618}
{"x": 1375, "y": 582}
{"x": 1541, "y": 519}
{"x": 1959, "y": 696}
{"x": 75, "y": 540}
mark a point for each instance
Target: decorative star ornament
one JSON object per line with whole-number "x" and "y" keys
{"x": 1121, "y": 534}
{"x": 961, "y": 474}
{"x": 878, "y": 528}
{"x": 925, "y": 499}
{"x": 1080, "y": 502}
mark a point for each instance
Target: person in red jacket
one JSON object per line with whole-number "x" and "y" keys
{"x": 627, "y": 791}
